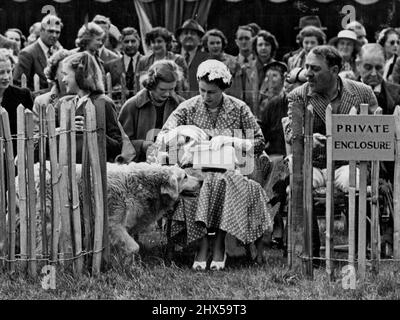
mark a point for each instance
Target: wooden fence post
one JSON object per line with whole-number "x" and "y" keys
{"x": 330, "y": 166}
{"x": 87, "y": 206}
{"x": 362, "y": 210}
{"x": 352, "y": 205}
{"x": 396, "y": 190}
{"x": 97, "y": 186}
{"x": 76, "y": 213}
{"x": 64, "y": 151}
{"x": 42, "y": 161}
{"x": 3, "y": 205}
{"x": 101, "y": 140}
{"x": 11, "y": 189}
{"x": 23, "y": 208}
{"x": 297, "y": 186}
{"x": 375, "y": 211}
{"x": 308, "y": 189}
{"x": 36, "y": 83}
{"x": 31, "y": 192}
{"x": 55, "y": 182}
{"x": 24, "y": 81}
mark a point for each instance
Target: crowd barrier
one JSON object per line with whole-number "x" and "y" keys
{"x": 41, "y": 222}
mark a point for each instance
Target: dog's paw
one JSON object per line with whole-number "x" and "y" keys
{"x": 131, "y": 247}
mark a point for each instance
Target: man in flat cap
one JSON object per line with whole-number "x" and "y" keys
{"x": 189, "y": 35}
{"x": 33, "y": 59}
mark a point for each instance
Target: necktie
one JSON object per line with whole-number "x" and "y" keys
{"x": 50, "y": 52}
{"x": 129, "y": 75}
{"x": 187, "y": 57}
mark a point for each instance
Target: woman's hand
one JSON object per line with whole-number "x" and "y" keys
{"x": 191, "y": 131}
{"x": 241, "y": 144}
{"x": 218, "y": 141}
{"x": 194, "y": 132}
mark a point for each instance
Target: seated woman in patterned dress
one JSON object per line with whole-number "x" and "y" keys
{"x": 228, "y": 202}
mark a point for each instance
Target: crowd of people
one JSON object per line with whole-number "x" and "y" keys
{"x": 184, "y": 83}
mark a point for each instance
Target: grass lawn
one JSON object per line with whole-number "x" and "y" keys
{"x": 151, "y": 278}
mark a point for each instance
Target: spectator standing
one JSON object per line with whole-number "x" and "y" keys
{"x": 264, "y": 47}
{"x": 33, "y": 59}
{"x": 215, "y": 42}
{"x": 309, "y": 37}
{"x": 272, "y": 85}
{"x": 360, "y": 31}
{"x": 128, "y": 63}
{"x": 348, "y": 46}
{"x": 389, "y": 39}
{"x": 159, "y": 40}
{"x": 303, "y": 22}
{"x": 189, "y": 36}
{"x": 105, "y": 54}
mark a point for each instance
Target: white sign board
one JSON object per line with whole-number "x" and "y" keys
{"x": 363, "y": 137}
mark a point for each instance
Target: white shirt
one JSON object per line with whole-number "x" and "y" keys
{"x": 378, "y": 88}
{"x": 44, "y": 47}
{"x": 127, "y": 59}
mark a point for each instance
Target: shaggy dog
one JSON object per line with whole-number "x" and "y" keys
{"x": 138, "y": 194}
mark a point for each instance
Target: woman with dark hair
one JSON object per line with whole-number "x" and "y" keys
{"x": 143, "y": 115}
{"x": 389, "y": 39}
{"x": 159, "y": 40}
{"x": 215, "y": 42}
{"x": 53, "y": 73}
{"x": 228, "y": 202}
{"x": 309, "y": 37}
{"x": 265, "y": 47}
{"x": 82, "y": 76}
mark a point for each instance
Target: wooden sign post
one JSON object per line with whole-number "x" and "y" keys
{"x": 362, "y": 138}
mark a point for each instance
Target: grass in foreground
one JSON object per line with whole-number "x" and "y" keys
{"x": 151, "y": 278}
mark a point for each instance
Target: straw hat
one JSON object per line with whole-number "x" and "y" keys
{"x": 345, "y": 34}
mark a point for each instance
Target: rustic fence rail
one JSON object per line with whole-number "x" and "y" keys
{"x": 40, "y": 212}
{"x": 302, "y": 202}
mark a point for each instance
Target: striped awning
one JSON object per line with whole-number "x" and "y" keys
{"x": 365, "y": 2}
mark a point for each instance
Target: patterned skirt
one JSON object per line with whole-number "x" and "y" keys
{"x": 227, "y": 201}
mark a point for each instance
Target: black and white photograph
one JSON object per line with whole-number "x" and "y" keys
{"x": 199, "y": 156}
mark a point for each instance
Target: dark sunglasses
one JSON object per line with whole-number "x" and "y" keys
{"x": 394, "y": 42}
{"x": 244, "y": 38}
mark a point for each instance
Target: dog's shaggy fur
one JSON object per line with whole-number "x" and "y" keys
{"x": 138, "y": 194}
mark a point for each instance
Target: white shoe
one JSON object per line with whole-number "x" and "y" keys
{"x": 218, "y": 265}
{"x": 199, "y": 265}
